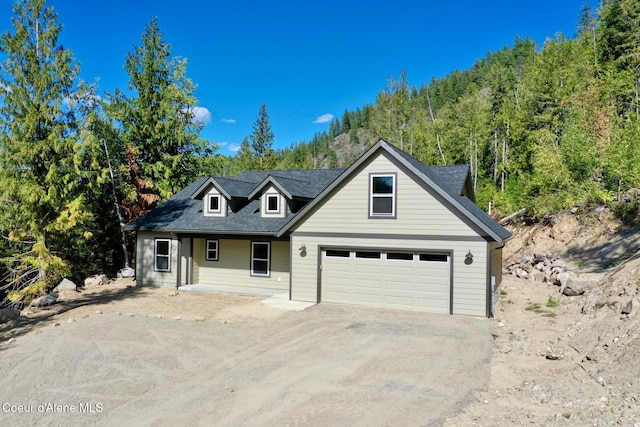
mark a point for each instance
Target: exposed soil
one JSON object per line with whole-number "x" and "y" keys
{"x": 567, "y": 360}
{"x": 556, "y": 359}
{"x": 121, "y": 355}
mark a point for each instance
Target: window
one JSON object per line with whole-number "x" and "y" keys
{"x": 368, "y": 254}
{"x": 335, "y": 253}
{"x": 212, "y": 250}
{"x": 382, "y": 191}
{"x": 273, "y": 203}
{"x": 162, "y": 255}
{"x": 400, "y": 256}
{"x": 260, "y": 258}
{"x": 434, "y": 257}
{"x": 214, "y": 203}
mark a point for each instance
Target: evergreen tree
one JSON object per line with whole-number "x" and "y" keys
{"x": 43, "y": 164}
{"x": 262, "y": 139}
{"x": 160, "y": 138}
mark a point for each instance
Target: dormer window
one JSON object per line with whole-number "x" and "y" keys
{"x": 213, "y": 204}
{"x": 382, "y": 195}
{"x": 273, "y": 203}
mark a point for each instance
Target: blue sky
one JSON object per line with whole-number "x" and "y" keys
{"x": 307, "y": 61}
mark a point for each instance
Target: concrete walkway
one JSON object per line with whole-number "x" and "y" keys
{"x": 273, "y": 297}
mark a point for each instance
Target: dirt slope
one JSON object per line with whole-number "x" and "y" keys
{"x": 567, "y": 360}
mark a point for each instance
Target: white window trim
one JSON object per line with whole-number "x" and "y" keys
{"x": 156, "y": 256}
{"x": 373, "y": 195}
{"x": 216, "y": 211}
{"x": 268, "y": 259}
{"x": 266, "y": 204}
{"x": 206, "y": 250}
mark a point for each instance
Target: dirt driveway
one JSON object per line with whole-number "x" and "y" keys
{"x": 235, "y": 362}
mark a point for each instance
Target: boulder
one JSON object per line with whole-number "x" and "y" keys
{"x": 573, "y": 288}
{"x": 65, "y": 285}
{"x": 590, "y": 306}
{"x": 631, "y": 307}
{"x": 44, "y": 301}
{"x": 522, "y": 274}
{"x": 7, "y": 314}
{"x": 126, "y": 272}
{"x": 538, "y": 258}
{"x": 97, "y": 280}
{"x": 538, "y": 276}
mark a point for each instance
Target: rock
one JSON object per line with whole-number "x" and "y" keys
{"x": 558, "y": 264}
{"x": 7, "y": 314}
{"x": 538, "y": 276}
{"x": 97, "y": 280}
{"x": 126, "y": 272}
{"x": 631, "y": 307}
{"x": 44, "y": 301}
{"x": 573, "y": 288}
{"x": 65, "y": 285}
{"x": 522, "y": 274}
{"x": 538, "y": 258}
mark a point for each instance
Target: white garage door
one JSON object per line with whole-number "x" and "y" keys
{"x": 404, "y": 280}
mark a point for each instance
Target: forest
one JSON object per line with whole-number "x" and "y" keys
{"x": 542, "y": 128}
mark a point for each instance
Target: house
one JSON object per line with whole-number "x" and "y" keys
{"x": 389, "y": 231}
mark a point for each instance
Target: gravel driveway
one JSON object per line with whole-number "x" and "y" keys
{"x": 327, "y": 365}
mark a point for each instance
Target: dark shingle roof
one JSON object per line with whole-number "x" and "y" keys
{"x": 452, "y": 179}
{"x": 183, "y": 213}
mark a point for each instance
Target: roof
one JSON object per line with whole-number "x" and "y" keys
{"x": 182, "y": 213}
{"x": 447, "y": 182}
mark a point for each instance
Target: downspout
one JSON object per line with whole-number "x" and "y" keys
{"x": 179, "y": 266}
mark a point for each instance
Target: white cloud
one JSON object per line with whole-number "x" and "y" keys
{"x": 325, "y": 118}
{"x": 201, "y": 115}
{"x": 234, "y": 148}
{"x": 230, "y": 121}
{"x": 222, "y": 144}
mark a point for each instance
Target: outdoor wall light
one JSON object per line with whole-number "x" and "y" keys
{"x": 303, "y": 250}
{"x": 468, "y": 258}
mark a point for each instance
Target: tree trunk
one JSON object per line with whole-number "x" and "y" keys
{"x": 125, "y": 252}
{"x": 433, "y": 121}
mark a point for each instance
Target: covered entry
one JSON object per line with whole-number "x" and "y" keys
{"x": 399, "y": 279}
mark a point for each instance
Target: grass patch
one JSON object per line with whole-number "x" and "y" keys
{"x": 581, "y": 263}
{"x": 553, "y": 302}
{"x": 535, "y": 307}
{"x": 503, "y": 293}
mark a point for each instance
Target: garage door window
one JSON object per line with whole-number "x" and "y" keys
{"x": 260, "y": 258}
{"x": 368, "y": 254}
{"x": 400, "y": 256}
{"x": 434, "y": 257}
{"x": 336, "y": 253}
{"x": 382, "y": 196}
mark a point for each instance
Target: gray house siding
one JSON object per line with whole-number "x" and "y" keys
{"x": 422, "y": 223}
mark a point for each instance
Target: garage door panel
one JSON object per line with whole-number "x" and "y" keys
{"x": 408, "y": 284}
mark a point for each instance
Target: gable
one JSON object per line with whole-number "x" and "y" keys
{"x": 419, "y": 210}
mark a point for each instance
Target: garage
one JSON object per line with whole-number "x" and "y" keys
{"x": 399, "y": 279}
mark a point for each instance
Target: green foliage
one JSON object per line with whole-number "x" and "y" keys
{"x": 158, "y": 134}
{"x": 262, "y": 140}
{"x": 553, "y": 302}
{"x": 44, "y": 163}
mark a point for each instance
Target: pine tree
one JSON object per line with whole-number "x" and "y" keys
{"x": 262, "y": 138}
{"x": 42, "y": 162}
{"x": 160, "y": 138}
